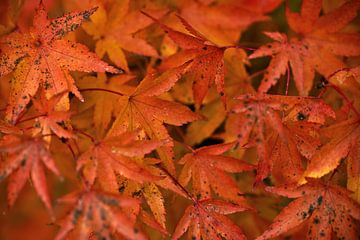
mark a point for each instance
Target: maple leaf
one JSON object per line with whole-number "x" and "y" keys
{"x": 42, "y": 57}
{"x": 7, "y": 128}
{"x": 50, "y": 117}
{"x": 326, "y": 208}
{"x": 26, "y": 158}
{"x": 150, "y": 191}
{"x": 344, "y": 140}
{"x": 320, "y": 39}
{"x": 206, "y": 167}
{"x": 115, "y": 30}
{"x": 284, "y": 53}
{"x": 300, "y": 138}
{"x": 149, "y": 220}
{"x": 105, "y": 105}
{"x": 207, "y": 66}
{"x": 144, "y": 109}
{"x": 100, "y": 212}
{"x": 205, "y": 220}
{"x": 113, "y": 154}
{"x": 260, "y": 112}
{"x": 222, "y": 22}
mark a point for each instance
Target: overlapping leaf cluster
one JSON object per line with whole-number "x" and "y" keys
{"x": 147, "y": 114}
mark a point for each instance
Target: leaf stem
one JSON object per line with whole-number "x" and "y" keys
{"x": 177, "y": 183}
{"x": 85, "y": 134}
{"x": 29, "y": 119}
{"x": 347, "y": 100}
{"x": 287, "y": 79}
{"x": 100, "y": 89}
{"x": 241, "y": 47}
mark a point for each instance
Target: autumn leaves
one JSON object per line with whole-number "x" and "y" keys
{"x": 127, "y": 129}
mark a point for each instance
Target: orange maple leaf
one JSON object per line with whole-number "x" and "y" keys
{"x": 145, "y": 110}
{"x": 115, "y": 27}
{"x": 223, "y": 22}
{"x": 113, "y": 155}
{"x": 42, "y": 57}
{"x": 344, "y": 139}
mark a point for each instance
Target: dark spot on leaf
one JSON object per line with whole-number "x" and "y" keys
{"x": 300, "y": 116}
{"x": 86, "y": 15}
{"x": 319, "y": 200}
{"x": 121, "y": 188}
{"x": 37, "y": 43}
{"x": 74, "y": 26}
{"x": 22, "y": 163}
{"x": 136, "y": 194}
{"x": 311, "y": 209}
{"x": 76, "y": 215}
{"x": 47, "y": 85}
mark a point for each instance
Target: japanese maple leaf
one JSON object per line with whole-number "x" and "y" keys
{"x": 300, "y": 138}
{"x": 42, "y": 57}
{"x": 205, "y": 220}
{"x": 344, "y": 139}
{"x": 259, "y": 113}
{"x": 284, "y": 53}
{"x": 50, "y": 116}
{"x": 207, "y": 168}
{"x": 325, "y": 207}
{"x": 26, "y": 158}
{"x": 100, "y": 213}
{"x": 7, "y": 128}
{"x": 144, "y": 109}
{"x": 223, "y": 22}
{"x": 105, "y": 105}
{"x": 115, "y": 29}
{"x": 320, "y": 39}
{"x": 113, "y": 155}
{"x": 207, "y": 66}
{"x": 150, "y": 191}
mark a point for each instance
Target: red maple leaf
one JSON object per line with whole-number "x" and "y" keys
{"x": 258, "y": 113}
{"x": 319, "y": 38}
{"x": 205, "y": 220}
{"x": 26, "y": 158}
{"x": 326, "y": 208}
{"x": 101, "y": 214}
{"x": 207, "y": 66}
{"x": 50, "y": 117}
{"x": 206, "y": 167}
